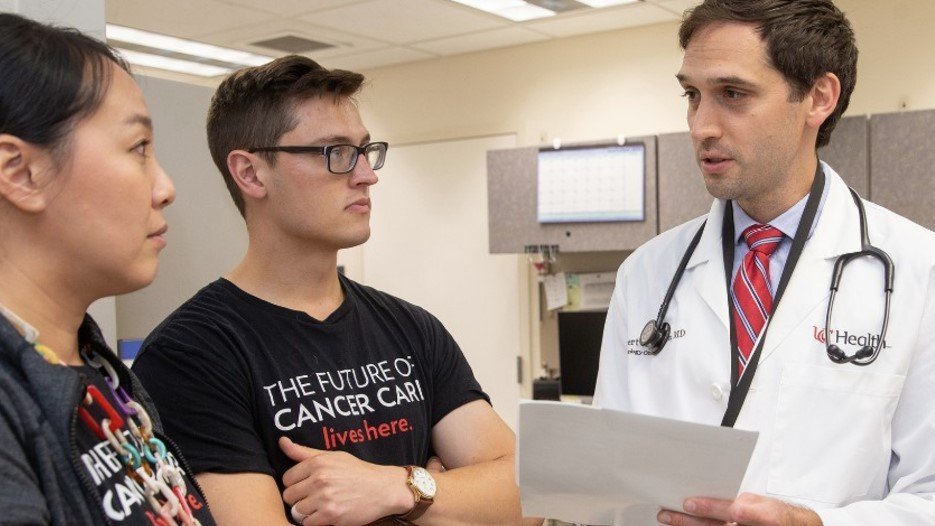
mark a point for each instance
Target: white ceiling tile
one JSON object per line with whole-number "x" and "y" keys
{"x": 180, "y": 18}
{"x": 290, "y": 7}
{"x": 605, "y": 19}
{"x": 241, "y": 38}
{"x": 508, "y": 36}
{"x": 375, "y": 59}
{"x": 402, "y": 21}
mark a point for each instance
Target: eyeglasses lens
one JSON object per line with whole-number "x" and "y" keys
{"x": 342, "y": 158}
{"x": 376, "y": 154}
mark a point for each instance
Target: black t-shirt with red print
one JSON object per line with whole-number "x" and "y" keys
{"x": 372, "y": 379}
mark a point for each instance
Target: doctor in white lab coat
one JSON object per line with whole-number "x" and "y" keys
{"x": 839, "y": 444}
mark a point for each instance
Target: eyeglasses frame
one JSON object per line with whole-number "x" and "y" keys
{"x": 326, "y": 152}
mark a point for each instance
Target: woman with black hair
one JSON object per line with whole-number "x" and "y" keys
{"x": 81, "y": 201}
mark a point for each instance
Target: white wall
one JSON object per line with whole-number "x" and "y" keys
{"x": 583, "y": 88}
{"x": 429, "y": 246}
{"x": 896, "y": 68}
{"x": 597, "y": 86}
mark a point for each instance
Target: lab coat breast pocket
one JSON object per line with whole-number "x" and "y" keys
{"x": 832, "y": 431}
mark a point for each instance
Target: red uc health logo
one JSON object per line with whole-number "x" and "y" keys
{"x": 821, "y": 334}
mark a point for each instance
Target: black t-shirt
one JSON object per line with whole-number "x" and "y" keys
{"x": 372, "y": 379}
{"x": 123, "y": 499}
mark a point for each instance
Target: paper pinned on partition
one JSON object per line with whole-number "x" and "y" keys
{"x": 556, "y": 293}
{"x": 587, "y": 465}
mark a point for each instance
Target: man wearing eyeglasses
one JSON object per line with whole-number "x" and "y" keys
{"x": 298, "y": 393}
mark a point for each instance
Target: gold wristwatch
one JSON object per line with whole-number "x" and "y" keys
{"x": 422, "y": 486}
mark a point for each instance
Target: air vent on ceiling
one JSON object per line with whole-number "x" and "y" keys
{"x": 559, "y": 6}
{"x": 292, "y": 44}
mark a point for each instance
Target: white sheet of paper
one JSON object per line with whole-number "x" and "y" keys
{"x": 556, "y": 292}
{"x": 587, "y": 465}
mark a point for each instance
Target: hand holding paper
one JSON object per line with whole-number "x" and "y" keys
{"x": 746, "y": 510}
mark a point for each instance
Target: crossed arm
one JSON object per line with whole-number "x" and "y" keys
{"x": 336, "y": 489}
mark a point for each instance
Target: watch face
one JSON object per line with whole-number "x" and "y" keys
{"x": 423, "y": 482}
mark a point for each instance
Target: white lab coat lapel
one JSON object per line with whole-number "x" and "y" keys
{"x": 707, "y": 264}
{"x": 837, "y": 233}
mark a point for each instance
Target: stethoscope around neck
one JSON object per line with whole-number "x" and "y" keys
{"x": 655, "y": 333}
{"x": 866, "y": 354}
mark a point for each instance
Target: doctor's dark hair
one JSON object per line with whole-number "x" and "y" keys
{"x": 804, "y": 40}
{"x": 255, "y": 106}
{"x": 52, "y": 78}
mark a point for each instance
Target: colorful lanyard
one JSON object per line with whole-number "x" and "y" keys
{"x": 146, "y": 460}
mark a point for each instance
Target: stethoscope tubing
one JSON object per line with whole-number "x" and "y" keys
{"x": 655, "y": 333}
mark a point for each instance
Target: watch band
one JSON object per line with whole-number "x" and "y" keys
{"x": 421, "y": 506}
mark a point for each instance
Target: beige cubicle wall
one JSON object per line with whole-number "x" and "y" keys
{"x": 902, "y": 153}
{"x": 513, "y": 223}
{"x": 682, "y": 193}
{"x": 848, "y": 153}
{"x": 675, "y": 192}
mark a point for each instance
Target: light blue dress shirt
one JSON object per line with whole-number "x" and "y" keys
{"x": 787, "y": 223}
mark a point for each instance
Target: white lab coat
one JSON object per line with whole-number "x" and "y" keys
{"x": 857, "y": 444}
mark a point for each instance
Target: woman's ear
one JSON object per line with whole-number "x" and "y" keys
{"x": 21, "y": 167}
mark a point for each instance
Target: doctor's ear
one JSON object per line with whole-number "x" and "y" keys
{"x": 25, "y": 170}
{"x": 823, "y": 96}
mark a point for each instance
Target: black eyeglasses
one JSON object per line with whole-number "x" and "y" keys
{"x": 341, "y": 158}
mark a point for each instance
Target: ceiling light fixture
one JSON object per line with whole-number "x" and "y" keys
{"x": 515, "y": 10}
{"x": 119, "y": 34}
{"x": 171, "y": 64}
{"x": 606, "y": 3}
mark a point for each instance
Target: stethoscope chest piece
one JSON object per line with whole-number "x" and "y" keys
{"x": 654, "y": 337}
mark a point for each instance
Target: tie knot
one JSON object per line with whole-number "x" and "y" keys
{"x": 762, "y": 238}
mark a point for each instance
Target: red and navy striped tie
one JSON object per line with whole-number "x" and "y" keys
{"x": 753, "y": 301}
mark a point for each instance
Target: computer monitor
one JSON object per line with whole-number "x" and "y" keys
{"x": 579, "y": 350}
